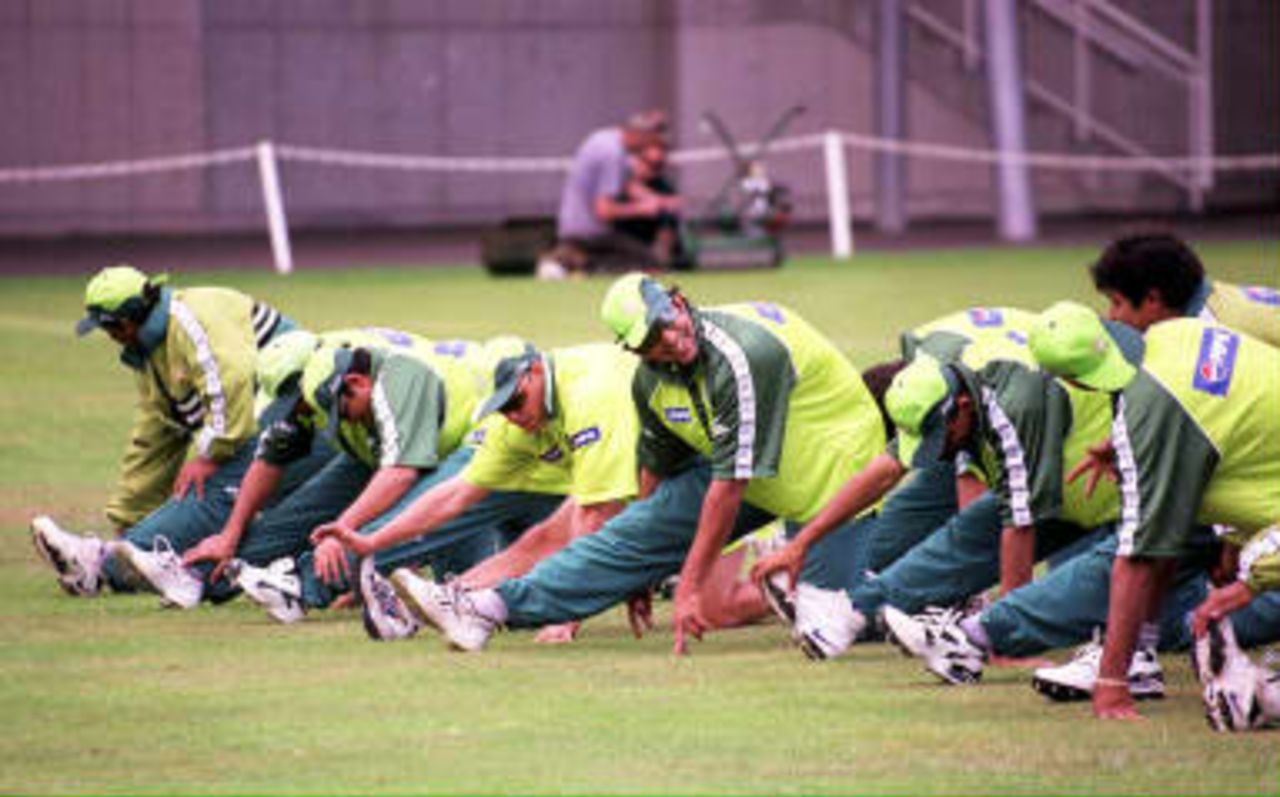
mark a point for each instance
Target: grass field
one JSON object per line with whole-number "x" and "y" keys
{"x": 115, "y": 696}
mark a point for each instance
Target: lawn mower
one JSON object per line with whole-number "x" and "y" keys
{"x": 741, "y": 225}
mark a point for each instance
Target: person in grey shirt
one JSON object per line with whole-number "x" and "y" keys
{"x": 593, "y": 199}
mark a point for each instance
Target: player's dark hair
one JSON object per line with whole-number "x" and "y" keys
{"x": 877, "y": 378}
{"x": 1136, "y": 263}
{"x": 361, "y": 362}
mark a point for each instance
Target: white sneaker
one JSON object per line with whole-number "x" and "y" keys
{"x": 385, "y": 615}
{"x": 826, "y": 622}
{"x": 275, "y": 587}
{"x": 1269, "y": 695}
{"x": 447, "y": 608}
{"x": 936, "y": 637}
{"x": 778, "y": 596}
{"x": 77, "y": 560}
{"x": 162, "y": 569}
{"x": 1076, "y": 679}
{"x": 1231, "y": 681}
{"x": 550, "y": 269}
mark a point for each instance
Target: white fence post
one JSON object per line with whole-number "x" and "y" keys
{"x": 273, "y": 201}
{"x": 838, "y": 197}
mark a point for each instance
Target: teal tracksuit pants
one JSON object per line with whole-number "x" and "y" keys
{"x": 646, "y": 543}
{"x": 185, "y": 522}
{"x": 284, "y": 531}
{"x": 959, "y": 559}
{"x": 1065, "y": 606}
{"x": 455, "y": 547}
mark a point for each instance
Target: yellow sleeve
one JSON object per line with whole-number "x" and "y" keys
{"x": 217, "y": 353}
{"x": 152, "y": 457}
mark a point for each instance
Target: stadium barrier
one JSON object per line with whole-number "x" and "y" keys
{"x": 832, "y": 145}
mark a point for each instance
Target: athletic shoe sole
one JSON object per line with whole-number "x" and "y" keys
{"x": 46, "y": 551}
{"x": 779, "y": 602}
{"x": 1067, "y": 693}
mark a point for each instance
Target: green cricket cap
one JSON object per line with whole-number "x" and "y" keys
{"x": 322, "y": 380}
{"x": 1071, "y": 341}
{"x": 115, "y": 294}
{"x": 917, "y": 402}
{"x": 507, "y": 374}
{"x": 636, "y": 306}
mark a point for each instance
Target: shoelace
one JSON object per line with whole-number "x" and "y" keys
{"x": 461, "y": 604}
{"x": 385, "y": 596}
{"x": 165, "y": 554}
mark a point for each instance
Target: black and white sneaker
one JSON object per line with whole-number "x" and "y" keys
{"x": 275, "y": 587}
{"x": 385, "y": 615}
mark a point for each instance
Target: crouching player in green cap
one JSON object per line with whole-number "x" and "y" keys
{"x": 399, "y": 408}
{"x": 1196, "y": 439}
{"x": 746, "y": 413}
{"x": 192, "y": 352}
{"x": 557, "y": 423}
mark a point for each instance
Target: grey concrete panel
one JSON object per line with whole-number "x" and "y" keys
{"x": 107, "y": 114}
{"x": 243, "y": 98}
{"x": 167, "y": 73}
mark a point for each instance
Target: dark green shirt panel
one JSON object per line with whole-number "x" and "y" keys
{"x": 1165, "y": 461}
{"x": 409, "y": 423}
{"x": 750, "y": 377}
{"x": 1028, "y": 417}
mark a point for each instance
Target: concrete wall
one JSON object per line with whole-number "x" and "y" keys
{"x": 120, "y": 79}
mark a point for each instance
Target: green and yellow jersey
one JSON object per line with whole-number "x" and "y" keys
{"x": 769, "y": 400}
{"x": 1197, "y": 439}
{"x": 194, "y": 370}
{"x": 974, "y": 337}
{"x": 587, "y": 448}
{"x": 1251, "y": 309}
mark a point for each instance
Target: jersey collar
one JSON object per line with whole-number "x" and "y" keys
{"x": 151, "y": 334}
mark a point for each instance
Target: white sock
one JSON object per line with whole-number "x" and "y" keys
{"x": 1148, "y": 636}
{"x": 490, "y": 604}
{"x": 972, "y": 628}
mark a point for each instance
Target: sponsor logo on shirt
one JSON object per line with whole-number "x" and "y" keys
{"x": 585, "y": 438}
{"x": 1016, "y": 337}
{"x": 770, "y": 311}
{"x": 477, "y": 436}
{"x": 1262, "y": 295}
{"x": 553, "y": 454}
{"x": 985, "y": 317}
{"x": 450, "y": 348}
{"x": 1216, "y": 362}
{"x": 678, "y": 414}
{"x": 393, "y": 336}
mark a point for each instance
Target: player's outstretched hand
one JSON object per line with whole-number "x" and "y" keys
{"x": 1219, "y": 604}
{"x": 217, "y": 549}
{"x": 789, "y": 559}
{"x": 1113, "y": 702}
{"x": 560, "y": 634}
{"x": 1099, "y": 461}
{"x": 640, "y": 612}
{"x": 193, "y": 475}
{"x": 688, "y": 620}
{"x": 331, "y": 564}
{"x": 344, "y": 535}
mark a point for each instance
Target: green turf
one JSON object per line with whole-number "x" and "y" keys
{"x": 113, "y": 695}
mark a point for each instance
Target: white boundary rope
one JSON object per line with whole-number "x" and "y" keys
{"x": 91, "y": 171}
{"x": 516, "y": 165}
